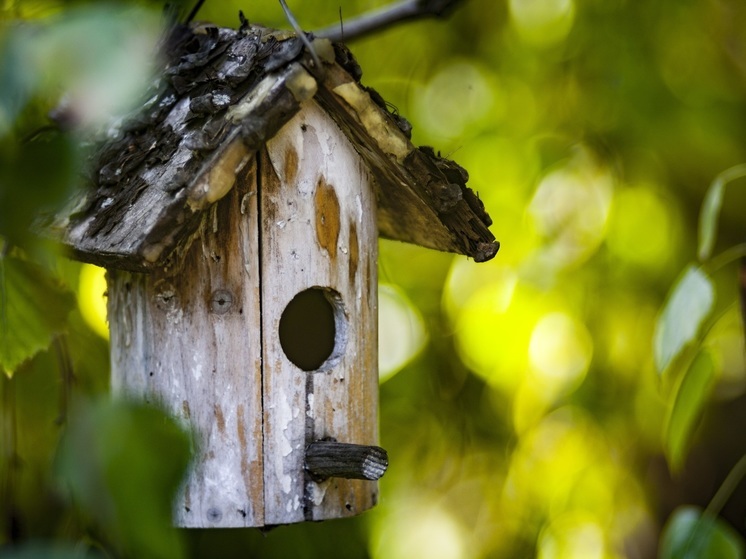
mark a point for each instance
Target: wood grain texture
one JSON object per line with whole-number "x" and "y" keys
{"x": 319, "y": 230}
{"x": 191, "y": 342}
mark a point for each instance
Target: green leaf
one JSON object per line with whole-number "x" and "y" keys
{"x": 692, "y": 394}
{"x": 33, "y": 309}
{"x": 16, "y": 81}
{"x": 49, "y": 551}
{"x": 710, "y": 212}
{"x": 123, "y": 463}
{"x": 100, "y": 56}
{"x": 689, "y": 534}
{"x": 689, "y": 304}
{"x": 35, "y": 177}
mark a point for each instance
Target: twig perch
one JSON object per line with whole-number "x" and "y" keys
{"x": 406, "y": 10}
{"x": 325, "y": 459}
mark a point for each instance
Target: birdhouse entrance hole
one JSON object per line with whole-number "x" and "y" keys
{"x": 313, "y": 329}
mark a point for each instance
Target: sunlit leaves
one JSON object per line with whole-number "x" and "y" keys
{"x": 99, "y": 57}
{"x": 571, "y": 208}
{"x": 48, "y": 551}
{"x": 677, "y": 333}
{"x": 401, "y": 332}
{"x": 93, "y": 63}
{"x": 688, "y": 306}
{"x": 573, "y": 535}
{"x": 560, "y": 350}
{"x": 691, "y": 396}
{"x": 33, "y": 309}
{"x": 710, "y": 213}
{"x": 35, "y": 176}
{"x": 679, "y": 327}
{"x": 122, "y": 464}
{"x": 542, "y": 22}
{"x": 644, "y": 227}
{"x": 92, "y": 300}
{"x": 458, "y": 98}
{"x": 689, "y": 534}
{"x": 419, "y": 529}
{"x": 564, "y": 470}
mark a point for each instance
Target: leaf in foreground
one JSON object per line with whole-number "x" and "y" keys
{"x": 710, "y": 213}
{"x": 687, "y": 307}
{"x": 123, "y": 464}
{"x": 689, "y": 534}
{"x": 49, "y": 551}
{"x": 33, "y": 309}
{"x": 692, "y": 395}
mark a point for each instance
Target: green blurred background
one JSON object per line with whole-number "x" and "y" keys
{"x": 520, "y": 402}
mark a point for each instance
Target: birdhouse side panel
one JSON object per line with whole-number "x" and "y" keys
{"x": 319, "y": 313}
{"x": 190, "y": 341}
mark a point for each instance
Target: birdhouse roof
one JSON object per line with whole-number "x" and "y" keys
{"x": 223, "y": 94}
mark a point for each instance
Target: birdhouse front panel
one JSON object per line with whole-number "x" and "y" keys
{"x": 263, "y": 339}
{"x": 319, "y": 293}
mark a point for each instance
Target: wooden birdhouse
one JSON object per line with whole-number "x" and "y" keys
{"x": 237, "y": 214}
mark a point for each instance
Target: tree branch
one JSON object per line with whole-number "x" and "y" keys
{"x": 394, "y": 14}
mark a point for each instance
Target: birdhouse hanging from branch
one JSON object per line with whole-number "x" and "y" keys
{"x": 237, "y": 215}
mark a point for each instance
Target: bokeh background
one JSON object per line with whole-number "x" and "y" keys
{"x": 520, "y": 402}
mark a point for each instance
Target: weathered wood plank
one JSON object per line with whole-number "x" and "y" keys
{"x": 190, "y": 341}
{"x": 318, "y": 209}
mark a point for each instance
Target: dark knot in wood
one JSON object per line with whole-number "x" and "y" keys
{"x": 325, "y": 459}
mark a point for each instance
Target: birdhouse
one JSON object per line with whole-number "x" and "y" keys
{"x": 237, "y": 215}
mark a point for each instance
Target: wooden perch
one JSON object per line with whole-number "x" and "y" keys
{"x": 325, "y": 459}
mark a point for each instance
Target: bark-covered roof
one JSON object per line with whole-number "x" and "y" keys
{"x": 225, "y": 92}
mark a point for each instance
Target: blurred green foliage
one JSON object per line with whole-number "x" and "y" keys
{"x": 122, "y": 464}
{"x": 528, "y": 404}
{"x": 689, "y": 536}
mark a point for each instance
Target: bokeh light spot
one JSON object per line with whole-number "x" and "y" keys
{"x": 642, "y": 227}
{"x": 457, "y": 98}
{"x": 572, "y": 537}
{"x": 542, "y": 22}
{"x": 560, "y": 350}
{"x": 92, "y": 299}
{"x": 465, "y": 279}
{"x": 493, "y": 331}
{"x": 102, "y": 57}
{"x": 571, "y": 208}
{"x": 422, "y": 530}
{"x": 401, "y": 331}
{"x": 564, "y": 464}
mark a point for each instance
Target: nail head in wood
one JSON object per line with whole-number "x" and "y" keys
{"x": 325, "y": 459}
